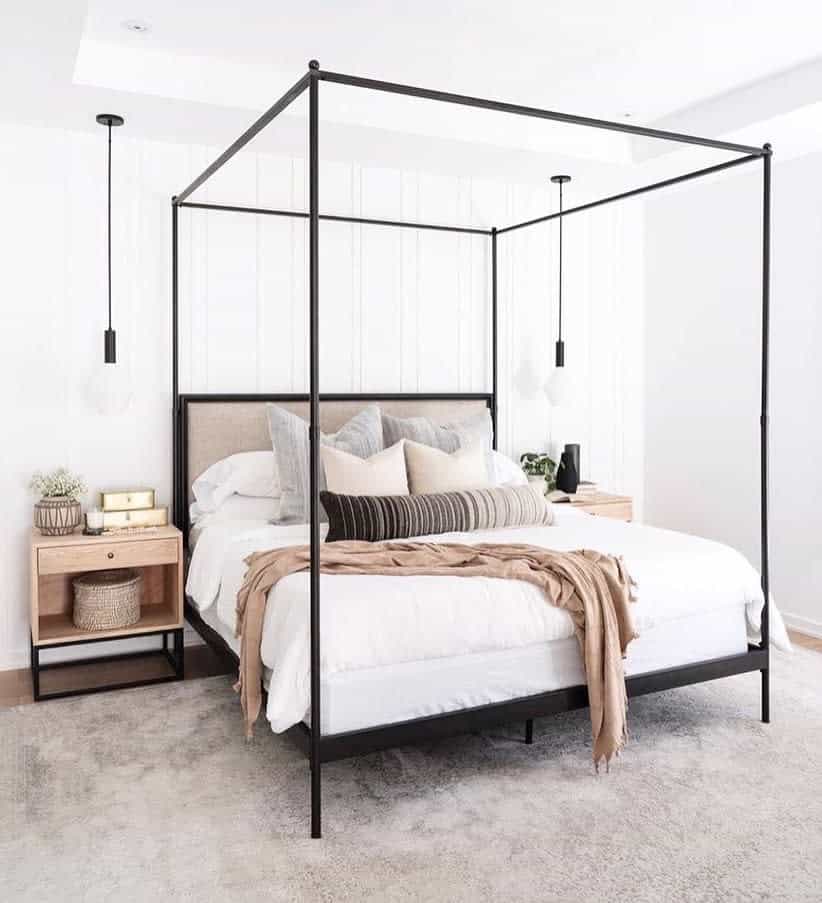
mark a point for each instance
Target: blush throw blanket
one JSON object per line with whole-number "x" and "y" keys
{"x": 595, "y": 589}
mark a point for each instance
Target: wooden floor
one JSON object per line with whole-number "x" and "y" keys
{"x": 15, "y": 686}
{"x": 809, "y": 642}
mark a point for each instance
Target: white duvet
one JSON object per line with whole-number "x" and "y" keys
{"x": 371, "y": 621}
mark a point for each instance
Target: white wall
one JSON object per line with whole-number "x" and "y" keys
{"x": 702, "y": 355}
{"x": 401, "y": 311}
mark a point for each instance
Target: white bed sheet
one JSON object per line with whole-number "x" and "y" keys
{"x": 385, "y": 622}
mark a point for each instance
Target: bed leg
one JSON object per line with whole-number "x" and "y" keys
{"x": 529, "y": 731}
{"x": 316, "y": 802}
{"x": 766, "y": 696}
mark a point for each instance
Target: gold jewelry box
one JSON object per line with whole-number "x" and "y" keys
{"x": 133, "y": 500}
{"x": 151, "y": 517}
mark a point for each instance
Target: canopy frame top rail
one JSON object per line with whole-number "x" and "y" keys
{"x": 750, "y": 152}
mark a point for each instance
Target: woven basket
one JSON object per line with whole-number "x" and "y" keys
{"x": 107, "y": 600}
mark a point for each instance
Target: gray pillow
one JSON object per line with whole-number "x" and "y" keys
{"x": 361, "y": 436}
{"x": 447, "y": 437}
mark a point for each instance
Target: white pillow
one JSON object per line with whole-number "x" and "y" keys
{"x": 236, "y": 507}
{"x": 246, "y": 473}
{"x": 506, "y": 471}
{"x": 432, "y": 470}
{"x": 381, "y": 474}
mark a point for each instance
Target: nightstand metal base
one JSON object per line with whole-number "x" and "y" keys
{"x": 174, "y": 655}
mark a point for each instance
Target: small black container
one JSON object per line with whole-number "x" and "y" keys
{"x": 573, "y": 448}
{"x": 567, "y": 476}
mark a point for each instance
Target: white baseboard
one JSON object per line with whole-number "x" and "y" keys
{"x": 14, "y": 659}
{"x": 802, "y": 625}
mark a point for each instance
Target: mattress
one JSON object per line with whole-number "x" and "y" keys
{"x": 361, "y": 698}
{"x": 395, "y": 648}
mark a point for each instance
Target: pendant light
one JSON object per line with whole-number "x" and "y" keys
{"x": 557, "y": 387}
{"x": 110, "y": 120}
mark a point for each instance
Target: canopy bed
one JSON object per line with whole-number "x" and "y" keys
{"x": 208, "y": 427}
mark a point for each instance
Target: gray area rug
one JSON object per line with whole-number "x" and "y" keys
{"x": 153, "y": 794}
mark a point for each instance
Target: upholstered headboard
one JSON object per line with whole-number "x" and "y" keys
{"x": 212, "y": 427}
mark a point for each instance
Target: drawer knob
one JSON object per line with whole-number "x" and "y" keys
{"x": 111, "y": 554}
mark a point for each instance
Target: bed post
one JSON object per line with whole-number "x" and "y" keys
{"x": 494, "y": 360}
{"x": 763, "y": 420}
{"x": 175, "y": 374}
{"x": 314, "y": 432}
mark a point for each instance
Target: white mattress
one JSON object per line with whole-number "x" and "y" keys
{"x": 352, "y": 700}
{"x": 400, "y": 647}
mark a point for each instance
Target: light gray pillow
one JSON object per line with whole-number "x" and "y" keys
{"x": 447, "y": 437}
{"x": 361, "y": 436}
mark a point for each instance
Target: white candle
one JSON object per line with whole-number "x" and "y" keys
{"x": 94, "y": 519}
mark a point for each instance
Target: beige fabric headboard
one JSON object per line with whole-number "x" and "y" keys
{"x": 217, "y": 429}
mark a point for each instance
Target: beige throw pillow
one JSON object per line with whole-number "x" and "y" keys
{"x": 431, "y": 470}
{"x": 381, "y": 474}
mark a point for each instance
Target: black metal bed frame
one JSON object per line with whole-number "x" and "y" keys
{"x": 321, "y": 748}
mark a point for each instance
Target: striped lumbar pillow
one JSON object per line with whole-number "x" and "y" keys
{"x": 376, "y": 517}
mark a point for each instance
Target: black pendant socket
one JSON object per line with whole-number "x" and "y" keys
{"x": 560, "y": 354}
{"x": 111, "y": 346}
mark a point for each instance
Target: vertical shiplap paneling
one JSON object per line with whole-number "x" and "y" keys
{"x": 580, "y": 319}
{"x": 439, "y": 327}
{"x": 528, "y": 311}
{"x": 355, "y": 280}
{"x": 631, "y": 473}
{"x": 602, "y": 339}
{"x": 232, "y": 281}
{"x": 487, "y": 209}
{"x": 465, "y": 348}
{"x": 194, "y": 228}
{"x": 276, "y": 308}
{"x": 410, "y": 311}
{"x": 299, "y": 277}
{"x": 381, "y": 326}
{"x": 337, "y": 293}
{"x": 409, "y": 284}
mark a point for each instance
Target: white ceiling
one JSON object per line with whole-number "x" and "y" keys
{"x": 719, "y": 67}
{"x": 598, "y": 58}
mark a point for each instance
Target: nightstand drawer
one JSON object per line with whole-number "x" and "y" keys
{"x": 618, "y": 510}
{"x": 102, "y": 556}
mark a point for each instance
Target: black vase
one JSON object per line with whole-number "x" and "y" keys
{"x": 567, "y": 476}
{"x": 573, "y": 449}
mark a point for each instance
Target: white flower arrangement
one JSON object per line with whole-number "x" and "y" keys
{"x": 59, "y": 483}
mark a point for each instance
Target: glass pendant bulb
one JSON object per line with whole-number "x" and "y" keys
{"x": 558, "y": 387}
{"x": 110, "y": 389}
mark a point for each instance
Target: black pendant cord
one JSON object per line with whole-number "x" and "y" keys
{"x": 109, "y": 120}
{"x": 559, "y": 359}
{"x": 559, "y": 335}
{"x": 109, "y": 226}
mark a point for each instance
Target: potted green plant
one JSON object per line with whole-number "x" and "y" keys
{"x": 58, "y": 511}
{"x": 539, "y": 468}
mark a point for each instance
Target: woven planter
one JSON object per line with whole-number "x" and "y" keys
{"x": 107, "y": 600}
{"x": 57, "y": 516}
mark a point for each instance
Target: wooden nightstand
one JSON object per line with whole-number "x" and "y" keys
{"x": 56, "y": 560}
{"x": 603, "y": 504}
